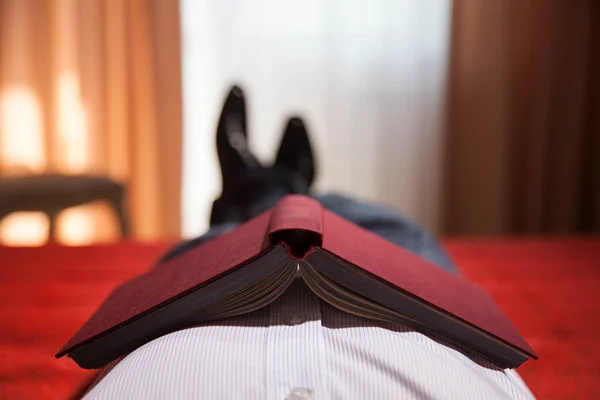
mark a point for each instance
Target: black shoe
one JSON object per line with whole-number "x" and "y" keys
{"x": 233, "y": 152}
{"x": 248, "y": 187}
{"x": 295, "y": 153}
{"x": 232, "y": 139}
{"x": 292, "y": 172}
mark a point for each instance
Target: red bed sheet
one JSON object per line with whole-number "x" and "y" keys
{"x": 550, "y": 288}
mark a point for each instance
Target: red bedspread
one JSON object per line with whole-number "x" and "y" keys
{"x": 549, "y": 288}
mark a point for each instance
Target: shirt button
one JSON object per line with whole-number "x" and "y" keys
{"x": 295, "y": 319}
{"x": 299, "y": 394}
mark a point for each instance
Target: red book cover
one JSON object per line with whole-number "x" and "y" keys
{"x": 410, "y": 273}
{"x": 175, "y": 278}
{"x": 397, "y": 267}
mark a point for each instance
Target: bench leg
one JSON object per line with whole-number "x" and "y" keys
{"x": 118, "y": 204}
{"x": 51, "y": 226}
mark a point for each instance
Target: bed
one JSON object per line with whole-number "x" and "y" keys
{"x": 549, "y": 287}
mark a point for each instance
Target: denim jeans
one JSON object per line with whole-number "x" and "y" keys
{"x": 380, "y": 220}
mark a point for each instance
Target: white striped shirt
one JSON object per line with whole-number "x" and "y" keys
{"x": 300, "y": 347}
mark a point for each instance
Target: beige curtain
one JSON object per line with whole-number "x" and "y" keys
{"x": 94, "y": 86}
{"x": 523, "y": 151}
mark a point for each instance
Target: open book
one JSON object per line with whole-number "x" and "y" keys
{"x": 249, "y": 267}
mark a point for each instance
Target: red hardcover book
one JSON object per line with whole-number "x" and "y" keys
{"x": 252, "y": 265}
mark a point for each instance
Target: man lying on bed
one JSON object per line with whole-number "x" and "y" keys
{"x": 300, "y": 347}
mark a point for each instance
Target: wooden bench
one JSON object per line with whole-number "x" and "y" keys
{"x": 53, "y": 193}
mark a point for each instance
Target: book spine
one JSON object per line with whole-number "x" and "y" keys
{"x": 297, "y": 222}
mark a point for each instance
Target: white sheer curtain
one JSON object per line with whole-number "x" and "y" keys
{"x": 369, "y": 78}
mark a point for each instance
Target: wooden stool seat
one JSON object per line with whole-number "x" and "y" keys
{"x": 53, "y": 193}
